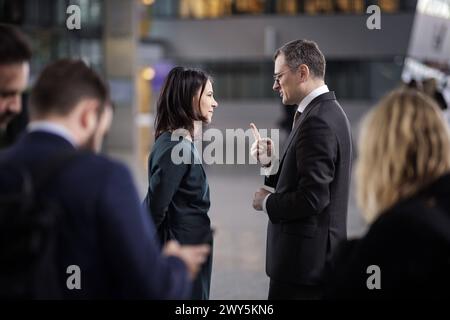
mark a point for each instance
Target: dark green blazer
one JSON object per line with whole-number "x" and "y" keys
{"x": 178, "y": 199}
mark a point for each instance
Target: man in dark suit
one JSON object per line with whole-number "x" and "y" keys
{"x": 308, "y": 209}
{"x": 103, "y": 230}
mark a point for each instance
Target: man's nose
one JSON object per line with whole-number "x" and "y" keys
{"x": 276, "y": 86}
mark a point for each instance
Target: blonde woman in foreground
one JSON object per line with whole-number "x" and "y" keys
{"x": 403, "y": 190}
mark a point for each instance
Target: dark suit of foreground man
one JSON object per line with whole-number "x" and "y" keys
{"x": 103, "y": 230}
{"x": 308, "y": 210}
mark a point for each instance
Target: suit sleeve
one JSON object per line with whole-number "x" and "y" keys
{"x": 316, "y": 154}
{"x": 271, "y": 181}
{"x": 272, "y": 174}
{"x": 131, "y": 252}
{"x": 164, "y": 181}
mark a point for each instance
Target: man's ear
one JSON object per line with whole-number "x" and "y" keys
{"x": 105, "y": 120}
{"x": 303, "y": 72}
{"x": 89, "y": 114}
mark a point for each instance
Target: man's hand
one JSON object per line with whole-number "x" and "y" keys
{"x": 192, "y": 256}
{"x": 261, "y": 149}
{"x": 258, "y": 199}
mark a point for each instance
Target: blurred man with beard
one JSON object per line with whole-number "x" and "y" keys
{"x": 15, "y": 54}
{"x": 102, "y": 230}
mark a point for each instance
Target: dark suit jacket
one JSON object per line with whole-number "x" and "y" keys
{"x": 410, "y": 243}
{"x": 104, "y": 231}
{"x": 308, "y": 211}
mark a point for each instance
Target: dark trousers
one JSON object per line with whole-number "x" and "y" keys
{"x": 289, "y": 291}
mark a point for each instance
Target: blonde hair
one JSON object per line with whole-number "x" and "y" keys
{"x": 404, "y": 145}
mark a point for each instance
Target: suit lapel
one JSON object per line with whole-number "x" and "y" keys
{"x": 323, "y": 97}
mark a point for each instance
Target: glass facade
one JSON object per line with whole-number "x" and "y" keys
{"x": 351, "y": 79}
{"x": 45, "y": 23}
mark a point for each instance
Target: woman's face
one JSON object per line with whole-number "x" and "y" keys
{"x": 207, "y": 102}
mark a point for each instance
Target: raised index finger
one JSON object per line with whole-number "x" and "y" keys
{"x": 255, "y": 131}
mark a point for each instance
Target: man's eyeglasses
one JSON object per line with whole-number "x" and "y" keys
{"x": 277, "y": 77}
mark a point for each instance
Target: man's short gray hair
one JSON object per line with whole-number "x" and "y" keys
{"x": 306, "y": 52}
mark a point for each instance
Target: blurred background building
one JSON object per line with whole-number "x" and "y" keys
{"x": 134, "y": 44}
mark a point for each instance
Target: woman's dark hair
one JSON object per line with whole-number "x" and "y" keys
{"x": 174, "y": 107}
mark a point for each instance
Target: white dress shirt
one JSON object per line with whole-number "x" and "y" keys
{"x": 311, "y": 96}
{"x": 301, "y": 107}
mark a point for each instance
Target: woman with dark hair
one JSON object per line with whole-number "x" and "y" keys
{"x": 178, "y": 191}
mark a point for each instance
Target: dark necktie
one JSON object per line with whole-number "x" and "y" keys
{"x": 296, "y": 117}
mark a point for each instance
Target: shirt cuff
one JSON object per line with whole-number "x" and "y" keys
{"x": 264, "y": 203}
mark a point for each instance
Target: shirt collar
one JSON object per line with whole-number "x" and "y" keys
{"x": 310, "y": 97}
{"x": 53, "y": 128}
